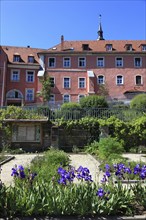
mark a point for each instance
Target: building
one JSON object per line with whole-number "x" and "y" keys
{"x": 113, "y": 68}
{"x": 19, "y": 67}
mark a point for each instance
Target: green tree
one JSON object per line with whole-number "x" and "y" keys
{"x": 138, "y": 102}
{"x": 46, "y": 89}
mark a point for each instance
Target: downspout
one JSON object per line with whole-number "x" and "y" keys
{"x": 3, "y": 84}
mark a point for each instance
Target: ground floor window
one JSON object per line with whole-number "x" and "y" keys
{"x": 30, "y": 133}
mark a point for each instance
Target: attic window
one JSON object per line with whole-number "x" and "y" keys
{"x": 109, "y": 47}
{"x": 143, "y": 47}
{"x": 30, "y": 59}
{"x": 85, "y": 46}
{"x": 16, "y": 58}
{"x": 128, "y": 47}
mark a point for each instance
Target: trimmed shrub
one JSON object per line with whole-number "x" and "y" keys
{"x": 138, "y": 102}
{"x": 93, "y": 101}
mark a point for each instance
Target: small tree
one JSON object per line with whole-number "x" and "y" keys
{"x": 93, "y": 101}
{"x": 46, "y": 89}
{"x": 138, "y": 102}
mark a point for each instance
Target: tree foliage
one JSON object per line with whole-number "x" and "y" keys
{"x": 93, "y": 101}
{"x": 46, "y": 89}
{"x": 138, "y": 102}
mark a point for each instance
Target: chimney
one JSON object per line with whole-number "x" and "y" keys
{"x": 62, "y": 42}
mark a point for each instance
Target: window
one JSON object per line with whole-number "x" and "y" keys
{"x": 119, "y": 80}
{"x": 109, "y": 47}
{"x": 143, "y": 47}
{"x": 14, "y": 94}
{"x": 81, "y": 83}
{"x": 52, "y": 82}
{"x": 80, "y": 97}
{"x": 100, "y": 61}
{"x": 29, "y": 96}
{"x": 85, "y": 46}
{"x": 82, "y": 62}
{"x": 16, "y": 58}
{"x": 119, "y": 62}
{"x": 66, "y": 62}
{"x": 30, "y": 59}
{"x": 52, "y": 62}
{"x": 24, "y": 133}
{"x": 52, "y": 99}
{"x": 138, "y": 80}
{"x": 137, "y": 62}
{"x": 100, "y": 79}
{"x": 15, "y": 75}
{"x": 66, "y": 82}
{"x": 128, "y": 47}
{"x": 29, "y": 76}
{"x": 66, "y": 98}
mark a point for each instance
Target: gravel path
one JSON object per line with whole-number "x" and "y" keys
{"x": 76, "y": 161}
{"x": 20, "y": 159}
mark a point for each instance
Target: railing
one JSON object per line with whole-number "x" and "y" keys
{"x": 124, "y": 114}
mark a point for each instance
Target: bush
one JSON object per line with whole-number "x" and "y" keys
{"x": 93, "y": 101}
{"x": 138, "y": 102}
{"x": 108, "y": 146}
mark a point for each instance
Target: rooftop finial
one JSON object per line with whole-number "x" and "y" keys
{"x": 100, "y": 32}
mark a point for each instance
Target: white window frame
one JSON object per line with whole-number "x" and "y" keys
{"x": 140, "y": 59}
{"x": 64, "y": 100}
{"x": 66, "y": 85}
{"x": 26, "y": 93}
{"x": 109, "y": 47}
{"x": 101, "y": 82}
{"x": 143, "y": 48}
{"x": 66, "y": 62}
{"x": 51, "y": 66}
{"x": 82, "y": 62}
{"x": 80, "y": 96}
{"x": 28, "y": 76}
{"x": 53, "y": 81}
{"x": 137, "y": 84}
{"x": 52, "y": 99}
{"x": 30, "y": 59}
{"x": 79, "y": 83}
{"x": 12, "y": 75}
{"x": 16, "y": 58}
{"x": 122, "y": 80}
{"x": 100, "y": 63}
{"x": 119, "y": 63}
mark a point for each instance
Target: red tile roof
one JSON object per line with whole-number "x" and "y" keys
{"x": 24, "y": 52}
{"x": 97, "y": 46}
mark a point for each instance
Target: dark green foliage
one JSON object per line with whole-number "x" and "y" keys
{"x": 138, "y": 102}
{"x": 108, "y": 146}
{"x": 47, "y": 165}
{"x": 93, "y": 101}
{"x": 70, "y": 111}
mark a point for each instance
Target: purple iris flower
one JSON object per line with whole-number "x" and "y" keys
{"x": 100, "y": 193}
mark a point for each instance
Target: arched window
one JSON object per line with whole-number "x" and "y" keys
{"x": 119, "y": 80}
{"x": 14, "y": 94}
{"x": 100, "y": 79}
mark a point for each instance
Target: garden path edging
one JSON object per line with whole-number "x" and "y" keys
{"x": 7, "y": 160}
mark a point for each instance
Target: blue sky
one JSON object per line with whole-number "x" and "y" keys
{"x": 40, "y": 23}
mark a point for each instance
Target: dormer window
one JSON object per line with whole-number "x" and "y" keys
{"x": 85, "y": 46}
{"x": 143, "y": 47}
{"x": 109, "y": 47}
{"x": 128, "y": 47}
{"x": 16, "y": 58}
{"x": 30, "y": 59}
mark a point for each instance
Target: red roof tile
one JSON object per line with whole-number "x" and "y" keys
{"x": 97, "y": 45}
{"x": 24, "y": 52}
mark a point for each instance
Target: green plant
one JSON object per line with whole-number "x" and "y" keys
{"x": 92, "y": 148}
{"x": 108, "y": 146}
{"x": 93, "y": 101}
{"x": 138, "y": 102}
